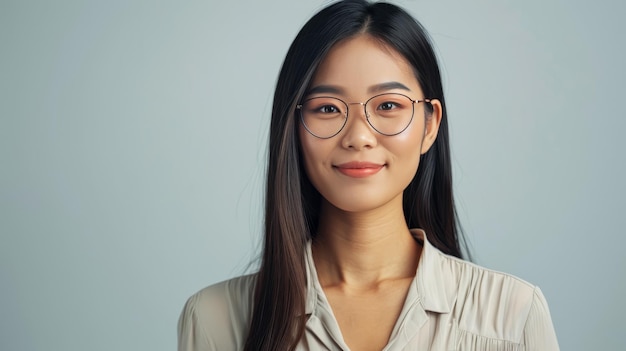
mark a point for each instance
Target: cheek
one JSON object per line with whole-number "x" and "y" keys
{"x": 317, "y": 161}
{"x": 312, "y": 152}
{"x": 306, "y": 148}
{"x": 408, "y": 145}
{"x": 406, "y": 151}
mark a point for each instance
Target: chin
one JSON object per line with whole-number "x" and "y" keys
{"x": 360, "y": 203}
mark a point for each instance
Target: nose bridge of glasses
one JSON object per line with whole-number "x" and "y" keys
{"x": 364, "y": 104}
{"x": 361, "y": 118}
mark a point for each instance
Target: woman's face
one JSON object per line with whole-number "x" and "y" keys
{"x": 360, "y": 169}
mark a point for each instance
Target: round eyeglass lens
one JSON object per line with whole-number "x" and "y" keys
{"x": 389, "y": 114}
{"x": 324, "y": 117}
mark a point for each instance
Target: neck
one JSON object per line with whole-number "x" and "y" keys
{"x": 364, "y": 249}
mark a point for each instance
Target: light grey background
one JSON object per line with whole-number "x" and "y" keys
{"x": 132, "y": 144}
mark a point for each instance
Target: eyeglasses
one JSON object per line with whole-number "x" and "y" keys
{"x": 388, "y": 114}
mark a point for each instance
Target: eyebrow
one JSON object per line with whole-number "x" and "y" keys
{"x": 387, "y": 86}
{"x": 321, "y": 89}
{"x": 333, "y": 89}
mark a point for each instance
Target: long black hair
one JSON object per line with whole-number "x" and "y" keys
{"x": 292, "y": 204}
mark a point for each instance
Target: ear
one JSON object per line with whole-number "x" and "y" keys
{"x": 431, "y": 127}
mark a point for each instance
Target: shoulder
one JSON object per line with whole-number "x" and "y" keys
{"x": 495, "y": 294}
{"x": 493, "y": 305}
{"x": 484, "y": 284}
{"x": 217, "y": 317}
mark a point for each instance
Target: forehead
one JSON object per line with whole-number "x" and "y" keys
{"x": 357, "y": 63}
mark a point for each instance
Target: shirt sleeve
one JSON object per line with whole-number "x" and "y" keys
{"x": 191, "y": 335}
{"x": 539, "y": 332}
{"x": 217, "y": 317}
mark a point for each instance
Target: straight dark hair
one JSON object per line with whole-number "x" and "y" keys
{"x": 292, "y": 204}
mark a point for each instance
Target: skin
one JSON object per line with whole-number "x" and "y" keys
{"x": 364, "y": 253}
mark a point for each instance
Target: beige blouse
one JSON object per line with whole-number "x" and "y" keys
{"x": 451, "y": 305}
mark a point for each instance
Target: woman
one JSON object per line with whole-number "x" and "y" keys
{"x": 362, "y": 250}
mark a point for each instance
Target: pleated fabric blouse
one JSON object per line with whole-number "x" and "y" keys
{"x": 451, "y": 305}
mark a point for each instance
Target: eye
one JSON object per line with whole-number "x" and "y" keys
{"x": 390, "y": 106}
{"x": 387, "y": 105}
{"x": 328, "y": 109}
{"x": 323, "y": 107}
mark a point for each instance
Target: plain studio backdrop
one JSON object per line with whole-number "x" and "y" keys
{"x": 133, "y": 141}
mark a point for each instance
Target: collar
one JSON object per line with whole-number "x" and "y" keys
{"x": 435, "y": 281}
{"x": 434, "y": 284}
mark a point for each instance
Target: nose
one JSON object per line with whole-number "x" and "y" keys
{"x": 358, "y": 133}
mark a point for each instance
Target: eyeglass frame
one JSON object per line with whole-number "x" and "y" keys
{"x": 367, "y": 117}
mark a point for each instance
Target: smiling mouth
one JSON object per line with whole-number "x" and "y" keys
{"x": 359, "y": 169}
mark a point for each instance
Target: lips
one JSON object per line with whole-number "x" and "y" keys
{"x": 359, "y": 169}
